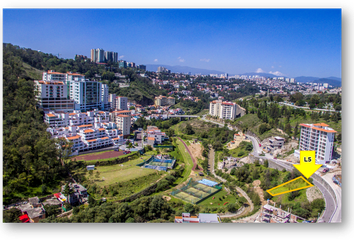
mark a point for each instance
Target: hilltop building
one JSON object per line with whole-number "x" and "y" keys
{"x": 70, "y": 91}
{"x": 317, "y": 137}
{"x": 164, "y": 101}
{"x": 225, "y": 110}
{"x": 100, "y": 56}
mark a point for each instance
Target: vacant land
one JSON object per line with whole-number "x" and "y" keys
{"x": 218, "y": 199}
{"x": 98, "y": 155}
{"x": 121, "y": 172}
{"x": 296, "y": 184}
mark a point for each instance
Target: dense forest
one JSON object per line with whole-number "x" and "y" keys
{"x": 30, "y": 163}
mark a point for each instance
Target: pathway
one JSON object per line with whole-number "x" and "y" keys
{"x": 211, "y": 163}
{"x": 193, "y": 159}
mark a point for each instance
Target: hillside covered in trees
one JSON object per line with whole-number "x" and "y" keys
{"x": 140, "y": 90}
{"x": 30, "y": 163}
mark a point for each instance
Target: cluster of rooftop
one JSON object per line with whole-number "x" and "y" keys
{"x": 201, "y": 218}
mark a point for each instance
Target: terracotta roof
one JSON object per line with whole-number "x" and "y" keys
{"x": 74, "y": 74}
{"x": 50, "y": 72}
{"x": 324, "y": 130}
{"x": 93, "y": 140}
{"x": 178, "y": 217}
{"x": 226, "y": 103}
{"x": 321, "y": 124}
{"x": 89, "y": 131}
{"x": 116, "y": 138}
{"x": 101, "y": 129}
{"x": 151, "y": 138}
{"x": 74, "y": 137}
{"x": 50, "y": 115}
{"x": 88, "y": 125}
{"x": 104, "y": 138}
{"x": 305, "y": 125}
{"x": 121, "y": 115}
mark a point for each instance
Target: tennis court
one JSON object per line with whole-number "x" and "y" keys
{"x": 186, "y": 197}
{"x": 204, "y": 188}
{"x": 195, "y": 192}
{"x": 159, "y": 164}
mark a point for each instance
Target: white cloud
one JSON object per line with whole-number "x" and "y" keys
{"x": 204, "y": 60}
{"x": 121, "y": 57}
{"x": 155, "y": 60}
{"x": 180, "y": 59}
{"x": 276, "y": 73}
{"x": 259, "y": 70}
{"x": 272, "y": 66}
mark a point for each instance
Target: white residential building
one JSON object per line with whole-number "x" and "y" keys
{"x": 90, "y": 136}
{"x": 57, "y": 91}
{"x": 317, "y": 137}
{"x": 121, "y": 103}
{"x": 224, "y": 110}
{"x": 76, "y": 118}
{"x": 53, "y": 95}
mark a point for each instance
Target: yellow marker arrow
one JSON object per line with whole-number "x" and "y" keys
{"x": 307, "y": 164}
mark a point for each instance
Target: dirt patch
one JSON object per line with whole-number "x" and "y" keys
{"x": 259, "y": 191}
{"x": 167, "y": 198}
{"x": 196, "y": 150}
{"x": 313, "y": 193}
{"x": 95, "y": 156}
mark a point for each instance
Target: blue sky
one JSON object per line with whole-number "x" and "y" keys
{"x": 294, "y": 42}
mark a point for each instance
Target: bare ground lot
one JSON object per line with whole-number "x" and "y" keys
{"x": 196, "y": 150}
{"x": 95, "y": 156}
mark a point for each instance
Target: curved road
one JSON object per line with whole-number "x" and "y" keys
{"x": 333, "y": 209}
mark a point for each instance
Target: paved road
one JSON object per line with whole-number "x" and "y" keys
{"x": 307, "y": 108}
{"x": 333, "y": 210}
{"x": 212, "y": 161}
{"x": 337, "y": 216}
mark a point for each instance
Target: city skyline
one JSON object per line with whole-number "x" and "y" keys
{"x": 290, "y": 42}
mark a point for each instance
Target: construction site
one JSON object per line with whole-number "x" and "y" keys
{"x": 272, "y": 214}
{"x": 279, "y": 147}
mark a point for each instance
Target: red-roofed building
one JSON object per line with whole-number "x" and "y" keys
{"x": 317, "y": 137}
{"x": 24, "y": 218}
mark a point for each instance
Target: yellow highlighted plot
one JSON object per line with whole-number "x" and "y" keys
{"x": 290, "y": 186}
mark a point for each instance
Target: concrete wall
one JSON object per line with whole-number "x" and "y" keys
{"x": 240, "y": 111}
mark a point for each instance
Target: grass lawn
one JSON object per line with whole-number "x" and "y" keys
{"x": 95, "y": 153}
{"x": 283, "y": 198}
{"x": 216, "y": 202}
{"x": 299, "y": 183}
{"x": 121, "y": 172}
{"x": 187, "y": 161}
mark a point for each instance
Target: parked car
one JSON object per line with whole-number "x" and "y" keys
{"x": 117, "y": 149}
{"x": 325, "y": 170}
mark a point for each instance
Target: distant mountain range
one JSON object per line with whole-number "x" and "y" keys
{"x": 334, "y": 81}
